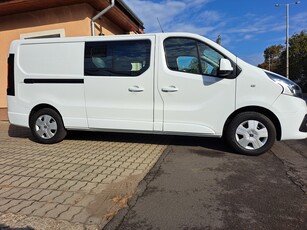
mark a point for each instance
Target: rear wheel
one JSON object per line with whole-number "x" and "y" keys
{"x": 47, "y": 126}
{"x": 251, "y": 133}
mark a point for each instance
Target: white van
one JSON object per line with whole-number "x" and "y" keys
{"x": 169, "y": 83}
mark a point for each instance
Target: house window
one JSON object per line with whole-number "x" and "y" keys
{"x": 44, "y": 34}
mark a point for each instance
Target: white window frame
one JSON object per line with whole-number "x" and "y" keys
{"x": 60, "y": 32}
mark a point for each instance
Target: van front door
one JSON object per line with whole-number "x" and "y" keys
{"x": 118, "y": 84}
{"x": 195, "y": 99}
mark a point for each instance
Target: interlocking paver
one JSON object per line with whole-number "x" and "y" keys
{"x": 67, "y": 185}
{"x": 44, "y": 209}
{"x": 78, "y": 186}
{"x": 26, "y": 171}
{"x": 28, "y": 182}
{"x": 142, "y": 166}
{"x": 51, "y": 196}
{"x": 109, "y": 179}
{"x": 10, "y": 180}
{"x": 31, "y": 208}
{"x": 85, "y": 201}
{"x": 102, "y": 169}
{"x": 70, "y": 213}
{"x": 22, "y": 179}
{"x": 21, "y": 205}
{"x": 4, "y": 201}
{"x": 4, "y": 178}
{"x": 74, "y": 199}
{"x": 35, "y": 172}
{"x": 70, "y": 175}
{"x": 127, "y": 172}
{"x": 64, "y": 196}
{"x": 19, "y": 193}
{"x": 39, "y": 196}
{"x": 57, "y": 184}
{"x": 89, "y": 186}
{"x": 30, "y": 194}
{"x": 62, "y": 181}
{"x": 55, "y": 212}
{"x": 5, "y": 169}
{"x": 8, "y": 205}
{"x": 9, "y": 191}
{"x": 48, "y": 183}
{"x": 99, "y": 178}
{"x": 10, "y": 170}
{"x": 118, "y": 171}
{"x": 37, "y": 182}
{"x": 81, "y": 217}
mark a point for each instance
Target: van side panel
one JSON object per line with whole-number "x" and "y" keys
{"x": 50, "y": 73}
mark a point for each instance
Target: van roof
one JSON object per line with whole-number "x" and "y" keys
{"x": 120, "y": 37}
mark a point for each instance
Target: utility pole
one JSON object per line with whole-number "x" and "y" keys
{"x": 287, "y": 33}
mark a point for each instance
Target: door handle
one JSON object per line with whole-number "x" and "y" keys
{"x": 136, "y": 88}
{"x": 170, "y": 89}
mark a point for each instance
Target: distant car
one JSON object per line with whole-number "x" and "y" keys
{"x": 169, "y": 83}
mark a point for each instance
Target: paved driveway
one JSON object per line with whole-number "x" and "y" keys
{"x": 200, "y": 184}
{"x": 78, "y": 183}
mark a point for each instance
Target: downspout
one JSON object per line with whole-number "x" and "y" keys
{"x": 99, "y": 15}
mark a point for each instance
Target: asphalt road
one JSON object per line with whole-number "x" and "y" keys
{"x": 200, "y": 184}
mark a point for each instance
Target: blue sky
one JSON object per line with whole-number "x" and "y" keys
{"x": 246, "y": 27}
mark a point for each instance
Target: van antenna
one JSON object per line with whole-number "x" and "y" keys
{"x": 160, "y": 25}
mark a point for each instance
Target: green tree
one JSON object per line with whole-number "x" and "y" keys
{"x": 272, "y": 56}
{"x": 275, "y": 59}
{"x": 298, "y": 58}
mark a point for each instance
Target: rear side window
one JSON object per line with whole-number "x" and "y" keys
{"x": 117, "y": 58}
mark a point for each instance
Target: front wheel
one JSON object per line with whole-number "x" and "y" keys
{"x": 47, "y": 126}
{"x": 251, "y": 133}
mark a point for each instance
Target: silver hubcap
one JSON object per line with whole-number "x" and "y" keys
{"x": 46, "y": 126}
{"x": 251, "y": 134}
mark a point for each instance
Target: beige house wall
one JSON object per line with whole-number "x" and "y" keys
{"x": 74, "y": 20}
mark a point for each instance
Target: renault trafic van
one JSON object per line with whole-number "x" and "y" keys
{"x": 169, "y": 83}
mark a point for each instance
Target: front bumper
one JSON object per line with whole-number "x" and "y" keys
{"x": 291, "y": 113}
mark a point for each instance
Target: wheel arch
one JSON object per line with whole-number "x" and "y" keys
{"x": 43, "y": 106}
{"x": 258, "y": 109}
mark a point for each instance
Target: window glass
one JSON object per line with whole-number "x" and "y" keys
{"x": 118, "y": 58}
{"x": 181, "y": 55}
{"x": 210, "y": 60}
{"x": 189, "y": 55}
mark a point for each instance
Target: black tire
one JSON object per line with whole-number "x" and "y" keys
{"x": 251, "y": 133}
{"x": 47, "y": 126}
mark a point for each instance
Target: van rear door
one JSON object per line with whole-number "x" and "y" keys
{"x": 119, "y": 83}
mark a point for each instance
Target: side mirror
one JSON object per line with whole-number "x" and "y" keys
{"x": 225, "y": 68}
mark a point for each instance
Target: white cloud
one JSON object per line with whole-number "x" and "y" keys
{"x": 171, "y": 13}
{"x": 298, "y": 22}
{"x": 196, "y": 16}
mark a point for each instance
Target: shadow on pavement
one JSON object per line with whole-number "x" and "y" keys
{"x": 190, "y": 141}
{"x": 5, "y": 227}
{"x": 19, "y": 132}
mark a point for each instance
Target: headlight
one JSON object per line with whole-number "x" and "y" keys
{"x": 290, "y": 88}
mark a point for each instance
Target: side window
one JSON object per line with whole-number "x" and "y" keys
{"x": 191, "y": 56}
{"x": 181, "y": 55}
{"x": 118, "y": 58}
{"x": 210, "y": 60}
